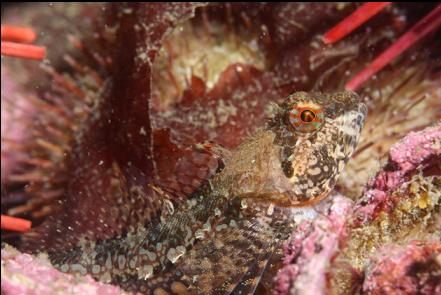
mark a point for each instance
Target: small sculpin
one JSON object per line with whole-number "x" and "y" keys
{"x": 227, "y": 236}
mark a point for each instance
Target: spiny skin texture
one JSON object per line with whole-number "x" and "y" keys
{"x": 225, "y": 235}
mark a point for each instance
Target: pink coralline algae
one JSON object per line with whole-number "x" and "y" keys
{"x": 28, "y": 274}
{"x": 420, "y": 150}
{"x": 413, "y": 269}
{"x": 313, "y": 245}
{"x": 408, "y": 154}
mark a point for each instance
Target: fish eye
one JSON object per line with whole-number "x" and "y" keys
{"x": 305, "y": 118}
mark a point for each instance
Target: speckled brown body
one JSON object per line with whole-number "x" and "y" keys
{"x": 221, "y": 239}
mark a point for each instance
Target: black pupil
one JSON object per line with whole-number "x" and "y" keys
{"x": 307, "y": 116}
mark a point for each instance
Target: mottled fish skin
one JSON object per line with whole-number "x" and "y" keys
{"x": 221, "y": 240}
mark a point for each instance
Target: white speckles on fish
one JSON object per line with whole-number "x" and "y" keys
{"x": 223, "y": 237}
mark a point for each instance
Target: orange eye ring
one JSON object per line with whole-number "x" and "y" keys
{"x": 305, "y": 119}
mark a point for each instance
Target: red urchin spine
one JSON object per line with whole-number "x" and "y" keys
{"x": 27, "y": 51}
{"x": 426, "y": 25}
{"x": 18, "y": 34}
{"x": 15, "y": 224}
{"x": 356, "y": 19}
{"x": 23, "y": 50}
{"x": 22, "y": 35}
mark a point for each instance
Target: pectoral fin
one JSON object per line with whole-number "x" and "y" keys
{"x": 233, "y": 260}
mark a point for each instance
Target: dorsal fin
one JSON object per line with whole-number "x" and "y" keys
{"x": 106, "y": 200}
{"x": 180, "y": 171}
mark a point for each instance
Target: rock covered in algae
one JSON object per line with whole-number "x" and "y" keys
{"x": 314, "y": 244}
{"x": 413, "y": 269}
{"x": 28, "y": 274}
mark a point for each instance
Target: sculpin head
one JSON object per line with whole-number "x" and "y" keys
{"x": 318, "y": 134}
{"x": 296, "y": 160}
